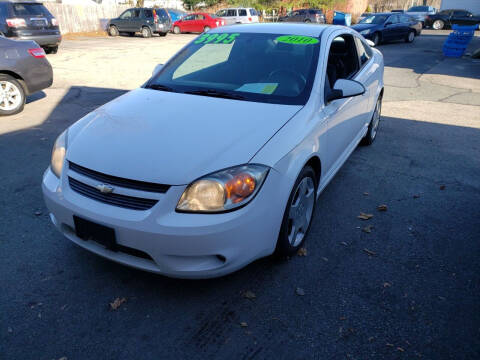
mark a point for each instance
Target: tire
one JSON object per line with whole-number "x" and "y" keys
{"x": 12, "y": 95}
{"x": 371, "y": 134}
{"x": 438, "y": 25}
{"x": 206, "y": 28}
{"x": 410, "y": 36}
{"x": 376, "y": 38}
{"x": 162, "y": 34}
{"x": 146, "y": 32}
{"x": 307, "y": 21}
{"x": 131, "y": 34}
{"x": 113, "y": 31}
{"x": 51, "y": 50}
{"x": 176, "y": 30}
{"x": 298, "y": 214}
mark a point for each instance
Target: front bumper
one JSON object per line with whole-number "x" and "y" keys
{"x": 44, "y": 40}
{"x": 178, "y": 244}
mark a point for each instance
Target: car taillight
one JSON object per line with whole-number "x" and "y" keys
{"x": 155, "y": 17}
{"x": 37, "y": 53}
{"x": 16, "y": 22}
{"x": 54, "y": 22}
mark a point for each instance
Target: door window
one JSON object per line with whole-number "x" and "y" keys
{"x": 231, "y": 12}
{"x": 253, "y": 12}
{"x": 136, "y": 13}
{"x": 242, "y": 12}
{"x": 364, "y": 51}
{"x": 148, "y": 13}
{"x": 200, "y": 17}
{"x": 189, "y": 17}
{"x": 127, "y": 15}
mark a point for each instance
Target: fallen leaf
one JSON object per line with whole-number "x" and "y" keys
{"x": 38, "y": 213}
{"x": 368, "y": 229}
{"x": 302, "y": 252}
{"x": 364, "y": 216}
{"x": 366, "y": 193}
{"x": 117, "y": 303}
{"x": 382, "y": 207}
{"x": 325, "y": 259}
{"x": 416, "y": 196}
{"x": 386, "y": 284}
{"x": 299, "y": 291}
{"x": 370, "y": 252}
{"x": 442, "y": 187}
{"x": 344, "y": 243}
{"x": 400, "y": 349}
{"x": 243, "y": 324}
{"x": 249, "y": 295}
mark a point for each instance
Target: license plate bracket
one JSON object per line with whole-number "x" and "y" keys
{"x": 88, "y": 230}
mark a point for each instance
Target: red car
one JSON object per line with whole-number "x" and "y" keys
{"x": 198, "y": 22}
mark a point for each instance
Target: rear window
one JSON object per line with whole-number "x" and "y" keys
{"x": 242, "y": 12}
{"x": 161, "y": 13}
{"x": 231, "y": 12}
{"x": 20, "y": 9}
{"x": 148, "y": 13}
{"x": 253, "y": 12}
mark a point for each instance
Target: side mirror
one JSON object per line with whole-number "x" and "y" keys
{"x": 370, "y": 42}
{"x": 346, "y": 88}
{"x": 157, "y": 69}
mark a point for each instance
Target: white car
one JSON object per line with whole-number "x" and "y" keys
{"x": 238, "y": 15}
{"x": 255, "y": 122}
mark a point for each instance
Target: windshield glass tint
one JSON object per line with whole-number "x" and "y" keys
{"x": 29, "y": 9}
{"x": 374, "y": 19}
{"x": 273, "y": 68}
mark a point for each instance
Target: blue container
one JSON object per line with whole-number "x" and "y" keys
{"x": 341, "y": 18}
{"x": 458, "y": 40}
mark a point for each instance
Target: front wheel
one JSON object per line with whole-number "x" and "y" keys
{"x": 12, "y": 95}
{"x": 206, "y": 28}
{"x": 410, "y": 37}
{"x": 438, "y": 25}
{"x": 176, "y": 30}
{"x": 373, "y": 126}
{"x": 298, "y": 213}
{"x": 162, "y": 34}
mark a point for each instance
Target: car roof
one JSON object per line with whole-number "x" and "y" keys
{"x": 280, "y": 28}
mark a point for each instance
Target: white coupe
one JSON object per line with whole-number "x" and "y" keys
{"x": 220, "y": 157}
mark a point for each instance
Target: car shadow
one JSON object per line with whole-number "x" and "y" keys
{"x": 36, "y": 96}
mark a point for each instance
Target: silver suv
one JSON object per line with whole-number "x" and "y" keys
{"x": 238, "y": 15}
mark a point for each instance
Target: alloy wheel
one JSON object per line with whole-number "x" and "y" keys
{"x": 301, "y": 211}
{"x": 376, "y": 118}
{"x": 10, "y": 96}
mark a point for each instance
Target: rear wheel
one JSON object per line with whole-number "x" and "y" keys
{"x": 12, "y": 95}
{"x": 438, "y": 25}
{"x": 176, "y": 30}
{"x": 410, "y": 36}
{"x": 51, "y": 49}
{"x": 146, "y": 32}
{"x": 162, "y": 34}
{"x": 308, "y": 21}
{"x": 113, "y": 31}
{"x": 206, "y": 28}
{"x": 298, "y": 213}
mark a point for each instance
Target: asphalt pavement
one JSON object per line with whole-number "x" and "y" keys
{"x": 404, "y": 284}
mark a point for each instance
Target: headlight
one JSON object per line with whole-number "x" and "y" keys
{"x": 58, "y": 154}
{"x": 365, "y": 32}
{"x": 224, "y": 190}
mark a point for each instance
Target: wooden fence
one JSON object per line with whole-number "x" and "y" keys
{"x": 84, "y": 18}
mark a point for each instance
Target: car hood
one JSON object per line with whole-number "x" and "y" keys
{"x": 172, "y": 138}
{"x": 361, "y": 27}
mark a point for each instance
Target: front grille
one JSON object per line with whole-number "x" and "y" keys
{"x": 128, "y": 202}
{"x": 118, "y": 181}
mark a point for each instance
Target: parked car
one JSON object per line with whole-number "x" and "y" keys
{"x": 198, "y": 22}
{"x": 176, "y": 14}
{"x": 26, "y": 20}
{"x": 238, "y": 15}
{"x": 304, "y": 15}
{"x": 383, "y": 27}
{"x": 146, "y": 21}
{"x": 249, "y": 139}
{"x": 24, "y": 70}
{"x": 421, "y": 12}
{"x": 447, "y": 18}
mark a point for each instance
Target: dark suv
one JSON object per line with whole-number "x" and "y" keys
{"x": 305, "y": 15}
{"x": 144, "y": 20}
{"x": 28, "y": 20}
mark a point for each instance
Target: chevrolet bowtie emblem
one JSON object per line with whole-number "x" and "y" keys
{"x": 105, "y": 189}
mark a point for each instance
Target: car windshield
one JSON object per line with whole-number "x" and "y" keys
{"x": 418, "y": 9}
{"x": 374, "y": 19}
{"x": 272, "y": 68}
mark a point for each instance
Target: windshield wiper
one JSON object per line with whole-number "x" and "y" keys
{"x": 215, "y": 93}
{"x": 160, "y": 87}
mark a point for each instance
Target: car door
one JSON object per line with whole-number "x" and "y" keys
{"x": 137, "y": 20}
{"x": 187, "y": 23}
{"x": 388, "y": 32}
{"x": 123, "y": 20}
{"x": 462, "y": 17}
{"x": 199, "y": 23}
{"x": 346, "y": 117}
